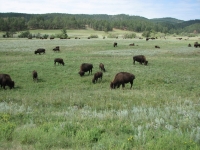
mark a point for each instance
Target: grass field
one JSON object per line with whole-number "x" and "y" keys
{"x": 65, "y": 111}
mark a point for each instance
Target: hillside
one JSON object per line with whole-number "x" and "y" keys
{"x": 168, "y": 19}
{"x": 100, "y": 22}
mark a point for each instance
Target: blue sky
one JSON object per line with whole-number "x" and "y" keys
{"x": 179, "y": 9}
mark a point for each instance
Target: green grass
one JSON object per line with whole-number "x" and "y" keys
{"x": 65, "y": 111}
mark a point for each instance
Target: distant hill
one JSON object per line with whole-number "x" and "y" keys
{"x": 167, "y": 19}
{"x": 101, "y": 22}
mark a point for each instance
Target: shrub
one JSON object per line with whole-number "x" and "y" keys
{"x": 25, "y": 34}
{"x": 93, "y": 36}
{"x": 129, "y": 35}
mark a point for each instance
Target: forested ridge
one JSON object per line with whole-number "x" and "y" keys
{"x": 13, "y": 22}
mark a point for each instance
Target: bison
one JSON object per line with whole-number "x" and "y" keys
{"x": 140, "y": 58}
{"x": 5, "y": 80}
{"x": 85, "y": 67}
{"x": 115, "y": 44}
{"x": 196, "y": 44}
{"x": 101, "y": 66}
{"x": 132, "y": 44}
{"x": 40, "y": 50}
{"x": 96, "y": 76}
{"x": 35, "y": 75}
{"x": 59, "y": 61}
{"x": 189, "y": 45}
{"x": 157, "y": 46}
{"x": 57, "y": 48}
{"x": 122, "y": 78}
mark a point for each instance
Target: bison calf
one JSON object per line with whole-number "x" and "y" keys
{"x": 122, "y": 78}
{"x": 96, "y": 76}
{"x": 101, "y": 66}
{"x": 5, "y": 80}
{"x": 57, "y": 48}
{"x": 40, "y": 50}
{"x": 115, "y": 44}
{"x": 141, "y": 59}
{"x": 35, "y": 75}
{"x": 196, "y": 44}
{"x": 157, "y": 46}
{"x": 85, "y": 67}
{"x": 59, "y": 61}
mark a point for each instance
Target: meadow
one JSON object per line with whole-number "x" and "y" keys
{"x": 65, "y": 111}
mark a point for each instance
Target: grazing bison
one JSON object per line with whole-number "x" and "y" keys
{"x": 57, "y": 48}
{"x": 85, "y": 67}
{"x": 59, "y": 61}
{"x": 196, "y": 44}
{"x": 35, "y": 75}
{"x": 115, "y": 44}
{"x": 189, "y": 45}
{"x": 122, "y": 78}
{"x": 157, "y": 46}
{"x": 5, "y": 80}
{"x": 141, "y": 59}
{"x": 40, "y": 50}
{"x": 132, "y": 44}
{"x": 101, "y": 66}
{"x": 96, "y": 76}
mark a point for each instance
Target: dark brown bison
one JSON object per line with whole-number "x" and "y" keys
{"x": 157, "y": 46}
{"x": 101, "y": 66}
{"x": 96, "y": 76}
{"x": 115, "y": 44}
{"x": 132, "y": 44}
{"x": 122, "y": 78}
{"x": 141, "y": 59}
{"x": 85, "y": 67}
{"x": 40, "y": 50}
{"x": 5, "y": 80}
{"x": 59, "y": 61}
{"x": 57, "y": 48}
{"x": 35, "y": 75}
{"x": 196, "y": 44}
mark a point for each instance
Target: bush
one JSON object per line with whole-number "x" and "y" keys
{"x": 129, "y": 35}
{"x": 25, "y": 34}
{"x": 112, "y": 35}
{"x": 93, "y": 36}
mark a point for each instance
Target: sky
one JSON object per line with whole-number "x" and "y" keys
{"x": 179, "y": 9}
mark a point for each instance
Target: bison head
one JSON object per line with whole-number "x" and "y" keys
{"x": 112, "y": 86}
{"x": 81, "y": 73}
{"x": 93, "y": 80}
{"x": 11, "y": 84}
{"x": 146, "y": 62}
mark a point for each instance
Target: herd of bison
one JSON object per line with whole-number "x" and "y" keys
{"x": 120, "y": 78}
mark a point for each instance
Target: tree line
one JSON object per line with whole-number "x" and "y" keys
{"x": 14, "y": 22}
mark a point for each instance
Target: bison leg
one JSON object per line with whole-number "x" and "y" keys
{"x": 131, "y": 84}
